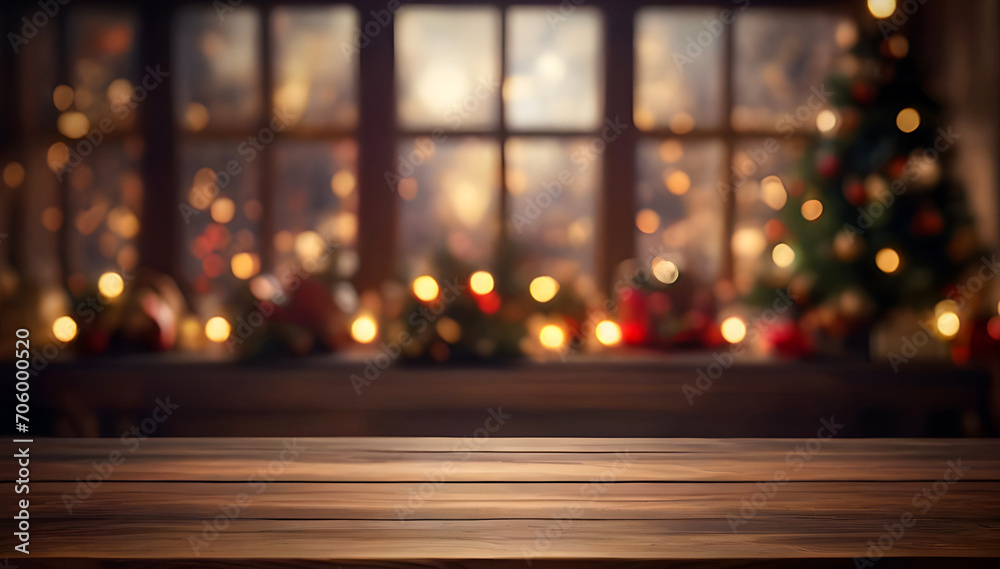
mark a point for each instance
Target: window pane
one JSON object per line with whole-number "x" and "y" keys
{"x": 102, "y": 58}
{"x": 763, "y": 180}
{"x": 679, "y": 207}
{"x": 105, "y": 199}
{"x": 225, "y": 216}
{"x": 450, "y": 203}
{"x": 676, "y": 86}
{"x": 554, "y": 69}
{"x": 316, "y": 200}
{"x": 315, "y": 78}
{"x": 782, "y": 61}
{"x": 218, "y": 69}
{"x": 552, "y": 196}
{"x": 448, "y": 67}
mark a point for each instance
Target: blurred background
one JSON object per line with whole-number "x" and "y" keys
{"x": 377, "y": 185}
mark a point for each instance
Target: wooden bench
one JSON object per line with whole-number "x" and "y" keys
{"x": 486, "y": 501}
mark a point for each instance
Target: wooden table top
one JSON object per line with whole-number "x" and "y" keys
{"x": 527, "y": 499}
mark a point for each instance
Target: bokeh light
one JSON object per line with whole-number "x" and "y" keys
{"x": 647, "y": 220}
{"x": 887, "y": 260}
{"x": 110, "y": 285}
{"x": 665, "y": 271}
{"x": 64, "y": 329}
{"x": 364, "y": 329}
{"x": 481, "y": 282}
{"x": 552, "y": 336}
{"x": 608, "y": 333}
{"x": 812, "y": 209}
{"x": 217, "y": 329}
{"x": 733, "y": 330}
{"x": 882, "y": 8}
{"x": 826, "y": 120}
{"x": 543, "y": 288}
{"x": 948, "y": 324}
{"x": 908, "y": 120}
{"x": 783, "y": 255}
{"x": 425, "y": 288}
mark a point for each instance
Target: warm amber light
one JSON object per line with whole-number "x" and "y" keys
{"x": 678, "y": 183}
{"x": 13, "y": 174}
{"x": 887, "y": 260}
{"x": 665, "y": 271}
{"x": 647, "y": 220}
{"x": 64, "y": 329}
{"x": 543, "y": 289}
{"x": 364, "y": 329}
{"x": 244, "y": 265}
{"x": 62, "y": 97}
{"x": 826, "y": 120}
{"x": 552, "y": 336}
{"x": 908, "y": 120}
{"x": 812, "y": 209}
{"x": 733, "y": 330}
{"x": 217, "y": 329}
{"x": 481, "y": 282}
{"x": 343, "y": 183}
{"x": 948, "y": 324}
{"x": 449, "y": 330}
{"x": 608, "y": 333}
{"x": 425, "y": 288}
{"x": 73, "y": 124}
{"x": 773, "y": 193}
{"x": 110, "y": 284}
{"x": 223, "y": 210}
{"x": 882, "y": 8}
{"x": 783, "y": 255}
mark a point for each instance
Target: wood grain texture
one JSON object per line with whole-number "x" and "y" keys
{"x": 355, "y": 499}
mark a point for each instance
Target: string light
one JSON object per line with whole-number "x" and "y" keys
{"x": 217, "y": 329}
{"x": 364, "y": 329}
{"x": 887, "y": 260}
{"x": 608, "y": 333}
{"x": 110, "y": 285}
{"x": 948, "y": 324}
{"x": 826, "y": 120}
{"x": 552, "y": 336}
{"x": 908, "y": 120}
{"x": 882, "y": 8}
{"x": 733, "y": 330}
{"x": 783, "y": 255}
{"x": 425, "y": 288}
{"x": 812, "y": 209}
{"x": 481, "y": 282}
{"x": 64, "y": 329}
{"x": 647, "y": 220}
{"x": 543, "y": 288}
{"x": 665, "y": 271}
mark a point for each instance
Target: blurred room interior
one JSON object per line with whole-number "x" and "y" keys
{"x": 614, "y": 218}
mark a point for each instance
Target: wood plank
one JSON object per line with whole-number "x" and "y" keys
{"x": 506, "y": 539}
{"x": 381, "y": 501}
{"x": 511, "y": 459}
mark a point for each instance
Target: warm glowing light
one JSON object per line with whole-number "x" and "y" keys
{"x": 671, "y": 151}
{"x": 425, "y": 288}
{"x": 364, "y": 329}
{"x": 343, "y": 183}
{"x": 733, "y": 330}
{"x": 62, "y": 97}
{"x": 481, "y": 282}
{"x": 57, "y": 156}
{"x": 543, "y": 289}
{"x": 407, "y": 188}
{"x": 812, "y": 209}
{"x": 882, "y": 8}
{"x": 196, "y": 117}
{"x": 665, "y": 271}
{"x": 119, "y": 92}
{"x": 217, "y": 329}
{"x": 449, "y": 330}
{"x": 309, "y": 245}
{"x": 110, "y": 284}
{"x": 647, "y": 220}
{"x": 826, "y": 120}
{"x": 678, "y": 183}
{"x": 64, "y": 329}
{"x": 783, "y": 255}
{"x": 223, "y": 210}
{"x": 773, "y": 193}
{"x": 681, "y": 123}
{"x": 948, "y": 324}
{"x": 244, "y": 265}
{"x": 73, "y": 124}
{"x": 946, "y": 305}
{"x": 908, "y": 120}
{"x": 52, "y": 218}
{"x": 13, "y": 174}
{"x": 552, "y": 336}
{"x": 898, "y": 46}
{"x": 608, "y": 333}
{"x": 887, "y": 260}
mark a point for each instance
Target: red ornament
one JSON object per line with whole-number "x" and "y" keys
{"x": 828, "y": 166}
{"x": 634, "y": 316}
{"x": 927, "y": 221}
{"x": 855, "y": 194}
{"x": 774, "y": 229}
{"x": 489, "y": 303}
{"x": 863, "y": 92}
{"x": 788, "y": 339}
